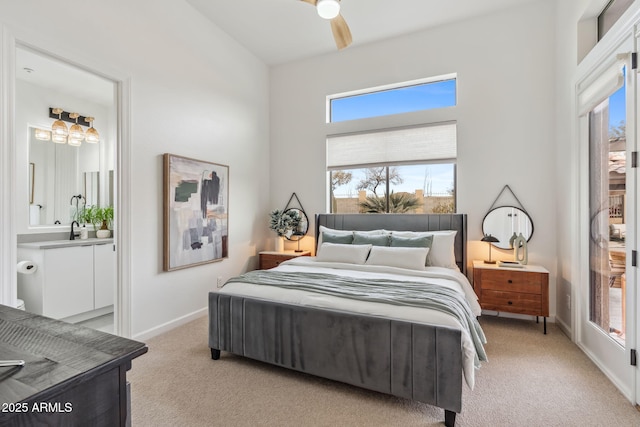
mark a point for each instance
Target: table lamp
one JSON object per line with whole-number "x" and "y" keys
{"x": 489, "y": 239}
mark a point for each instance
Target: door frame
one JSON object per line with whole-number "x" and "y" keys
{"x": 593, "y": 341}
{"x": 9, "y": 40}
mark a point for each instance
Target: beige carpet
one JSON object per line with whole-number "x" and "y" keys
{"x": 531, "y": 379}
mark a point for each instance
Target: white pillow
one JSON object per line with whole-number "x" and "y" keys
{"x": 411, "y": 258}
{"x": 338, "y": 252}
{"x": 442, "y": 252}
{"x": 342, "y": 232}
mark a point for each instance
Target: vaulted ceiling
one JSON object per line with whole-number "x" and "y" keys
{"x": 280, "y": 31}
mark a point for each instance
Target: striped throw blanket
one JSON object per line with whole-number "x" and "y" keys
{"x": 396, "y": 292}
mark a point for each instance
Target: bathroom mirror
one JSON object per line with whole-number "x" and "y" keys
{"x": 60, "y": 171}
{"x": 303, "y": 225}
{"x": 505, "y": 221}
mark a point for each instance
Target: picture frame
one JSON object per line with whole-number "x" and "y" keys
{"x": 196, "y": 212}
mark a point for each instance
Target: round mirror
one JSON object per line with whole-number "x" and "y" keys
{"x": 506, "y": 221}
{"x": 303, "y": 226}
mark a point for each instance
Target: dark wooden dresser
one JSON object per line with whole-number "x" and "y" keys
{"x": 73, "y": 376}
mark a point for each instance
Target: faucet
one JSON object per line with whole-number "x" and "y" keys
{"x": 72, "y": 236}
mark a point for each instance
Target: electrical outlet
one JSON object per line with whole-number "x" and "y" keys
{"x": 219, "y": 282}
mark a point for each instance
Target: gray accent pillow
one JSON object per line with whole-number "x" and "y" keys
{"x": 346, "y": 239}
{"x": 411, "y": 242}
{"x": 370, "y": 239}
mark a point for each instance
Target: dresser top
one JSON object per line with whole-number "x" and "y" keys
{"x": 56, "y": 353}
{"x": 529, "y": 267}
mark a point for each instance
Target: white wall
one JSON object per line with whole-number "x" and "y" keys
{"x": 506, "y": 106}
{"x": 194, "y": 92}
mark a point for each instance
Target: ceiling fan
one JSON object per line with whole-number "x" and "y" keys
{"x": 330, "y": 9}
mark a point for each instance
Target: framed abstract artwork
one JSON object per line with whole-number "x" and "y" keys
{"x": 196, "y": 212}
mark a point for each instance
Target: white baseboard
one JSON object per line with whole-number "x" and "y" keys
{"x": 165, "y": 327}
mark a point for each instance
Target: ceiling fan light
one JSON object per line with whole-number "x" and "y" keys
{"x": 328, "y": 9}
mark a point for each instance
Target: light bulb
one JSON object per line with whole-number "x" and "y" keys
{"x": 328, "y": 9}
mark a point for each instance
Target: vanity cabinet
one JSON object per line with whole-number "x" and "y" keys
{"x": 69, "y": 280}
{"x": 104, "y": 275}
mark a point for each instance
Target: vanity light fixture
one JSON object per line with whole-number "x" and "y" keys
{"x": 58, "y": 128}
{"x": 42, "y": 134}
{"x": 92, "y": 136}
{"x": 76, "y": 134}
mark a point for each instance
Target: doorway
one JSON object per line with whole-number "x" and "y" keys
{"x": 607, "y": 307}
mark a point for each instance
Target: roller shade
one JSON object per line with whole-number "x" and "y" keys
{"x": 394, "y": 146}
{"x": 610, "y": 80}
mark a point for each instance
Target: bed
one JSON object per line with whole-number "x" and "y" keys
{"x": 422, "y": 353}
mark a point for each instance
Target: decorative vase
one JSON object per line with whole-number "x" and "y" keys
{"x": 520, "y": 250}
{"x": 279, "y": 247}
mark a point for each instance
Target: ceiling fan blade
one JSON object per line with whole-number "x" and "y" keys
{"x": 313, "y": 2}
{"x": 341, "y": 32}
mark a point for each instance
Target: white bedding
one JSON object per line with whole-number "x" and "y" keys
{"x": 444, "y": 276}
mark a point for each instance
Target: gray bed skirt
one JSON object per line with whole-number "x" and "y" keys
{"x": 409, "y": 360}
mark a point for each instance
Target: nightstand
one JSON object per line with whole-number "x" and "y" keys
{"x": 270, "y": 259}
{"x": 522, "y": 290}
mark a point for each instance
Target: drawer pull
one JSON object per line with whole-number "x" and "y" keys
{"x": 509, "y": 281}
{"x": 510, "y": 302}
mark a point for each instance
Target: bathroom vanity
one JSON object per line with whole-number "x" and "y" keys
{"x": 73, "y": 278}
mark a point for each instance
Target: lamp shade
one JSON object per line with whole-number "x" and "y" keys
{"x": 76, "y": 132}
{"x": 59, "y": 128}
{"x": 91, "y": 136}
{"x": 489, "y": 239}
{"x": 328, "y": 9}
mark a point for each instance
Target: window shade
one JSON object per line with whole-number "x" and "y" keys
{"x": 423, "y": 143}
{"x": 609, "y": 81}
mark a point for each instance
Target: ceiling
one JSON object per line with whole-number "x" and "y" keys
{"x": 280, "y": 31}
{"x": 50, "y": 73}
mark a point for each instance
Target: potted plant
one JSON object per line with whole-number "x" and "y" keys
{"x": 104, "y": 216}
{"x": 90, "y": 215}
{"x": 283, "y": 223}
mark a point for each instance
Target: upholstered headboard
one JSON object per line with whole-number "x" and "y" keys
{"x": 403, "y": 222}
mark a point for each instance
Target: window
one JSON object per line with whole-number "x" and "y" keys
{"x": 409, "y": 169}
{"x": 409, "y": 97}
{"x": 610, "y": 15}
{"x": 401, "y": 170}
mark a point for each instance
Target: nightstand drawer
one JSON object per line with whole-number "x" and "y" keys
{"x": 506, "y": 280}
{"x": 270, "y": 261}
{"x": 512, "y": 302}
{"x": 273, "y": 259}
